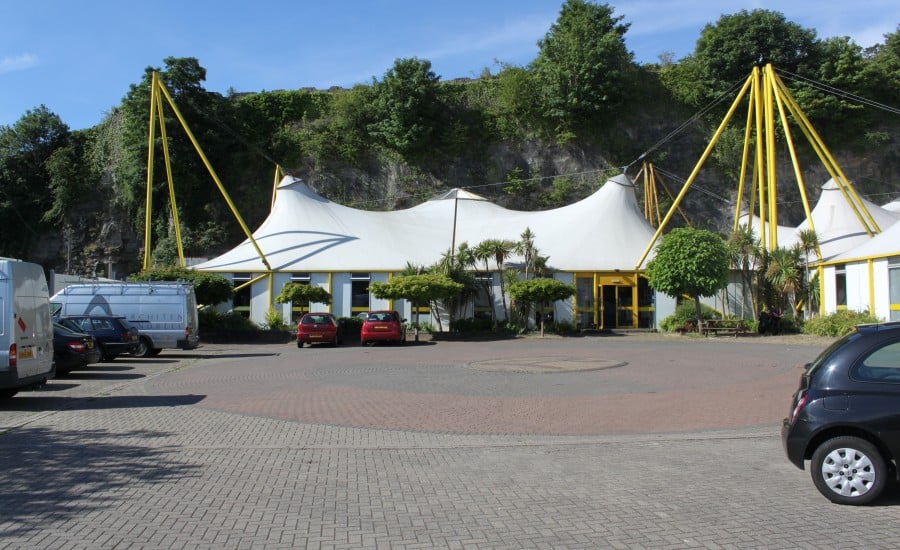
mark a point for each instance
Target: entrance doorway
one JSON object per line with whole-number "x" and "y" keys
{"x": 608, "y": 307}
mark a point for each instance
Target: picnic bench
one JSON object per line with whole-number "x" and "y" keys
{"x": 724, "y": 326}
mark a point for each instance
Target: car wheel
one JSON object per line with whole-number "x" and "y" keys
{"x": 299, "y": 344}
{"x": 143, "y": 348}
{"x": 155, "y": 351}
{"x": 848, "y": 470}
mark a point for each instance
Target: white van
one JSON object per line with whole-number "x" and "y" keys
{"x": 26, "y": 333}
{"x": 164, "y": 312}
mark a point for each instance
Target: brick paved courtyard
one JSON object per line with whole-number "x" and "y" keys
{"x": 635, "y": 441}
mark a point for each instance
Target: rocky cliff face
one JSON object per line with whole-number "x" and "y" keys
{"x": 105, "y": 241}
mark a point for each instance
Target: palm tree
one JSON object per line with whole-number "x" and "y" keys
{"x": 745, "y": 251}
{"x": 526, "y": 248}
{"x": 784, "y": 271}
{"x": 808, "y": 245}
{"x": 497, "y": 250}
{"x": 456, "y": 266}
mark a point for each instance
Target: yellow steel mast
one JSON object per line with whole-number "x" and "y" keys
{"x": 157, "y": 92}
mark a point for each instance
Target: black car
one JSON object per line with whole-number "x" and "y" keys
{"x": 845, "y": 416}
{"x": 114, "y": 335}
{"x": 73, "y": 350}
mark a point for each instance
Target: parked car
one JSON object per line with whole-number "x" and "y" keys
{"x": 318, "y": 328}
{"x": 845, "y": 415}
{"x": 114, "y": 335}
{"x": 383, "y": 326}
{"x": 73, "y": 350}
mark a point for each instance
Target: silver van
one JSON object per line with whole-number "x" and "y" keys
{"x": 164, "y": 312}
{"x": 26, "y": 333}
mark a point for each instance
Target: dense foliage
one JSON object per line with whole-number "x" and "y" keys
{"x": 303, "y": 294}
{"x": 409, "y": 134}
{"x": 209, "y": 288}
{"x": 838, "y": 323}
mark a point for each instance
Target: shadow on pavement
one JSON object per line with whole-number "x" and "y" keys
{"x": 77, "y": 472}
{"x": 25, "y": 402}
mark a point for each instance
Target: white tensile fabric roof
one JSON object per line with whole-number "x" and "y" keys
{"x": 886, "y": 243}
{"x": 837, "y": 225}
{"x": 893, "y": 206}
{"x": 306, "y": 232}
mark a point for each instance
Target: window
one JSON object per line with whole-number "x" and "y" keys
{"x": 646, "y": 305}
{"x": 297, "y": 310}
{"x": 840, "y": 284}
{"x": 359, "y": 290}
{"x": 882, "y": 365}
{"x": 241, "y": 300}
{"x": 584, "y": 302}
{"x": 483, "y": 306}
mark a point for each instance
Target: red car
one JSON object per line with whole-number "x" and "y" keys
{"x": 382, "y": 326}
{"x": 316, "y": 328}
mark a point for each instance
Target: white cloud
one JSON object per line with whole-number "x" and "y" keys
{"x": 10, "y": 64}
{"x": 518, "y": 35}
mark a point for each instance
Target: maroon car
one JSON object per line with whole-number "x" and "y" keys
{"x": 318, "y": 328}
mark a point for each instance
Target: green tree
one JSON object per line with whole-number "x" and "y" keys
{"x": 69, "y": 178}
{"x": 689, "y": 261}
{"x": 299, "y": 293}
{"x": 881, "y": 72}
{"x": 583, "y": 65}
{"x": 209, "y": 288}
{"x": 539, "y": 291}
{"x": 407, "y": 107}
{"x": 418, "y": 289}
{"x": 727, "y": 51}
{"x": 517, "y": 106}
{"x": 26, "y": 149}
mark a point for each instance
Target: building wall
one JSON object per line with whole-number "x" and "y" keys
{"x": 858, "y": 295}
{"x": 340, "y": 285}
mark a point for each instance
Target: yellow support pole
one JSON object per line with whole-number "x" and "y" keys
{"x": 855, "y": 202}
{"x": 154, "y": 99}
{"x": 251, "y": 281}
{"x": 172, "y": 204}
{"x": 796, "y": 164}
{"x": 745, "y": 156}
{"x": 771, "y": 174}
{"x": 279, "y": 173}
{"x": 215, "y": 177}
{"x": 694, "y": 173}
{"x": 760, "y": 168}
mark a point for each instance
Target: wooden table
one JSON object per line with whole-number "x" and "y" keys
{"x": 724, "y": 326}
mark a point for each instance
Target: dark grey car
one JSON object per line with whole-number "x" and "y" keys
{"x": 845, "y": 416}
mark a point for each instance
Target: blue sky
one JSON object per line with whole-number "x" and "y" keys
{"x": 78, "y": 58}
